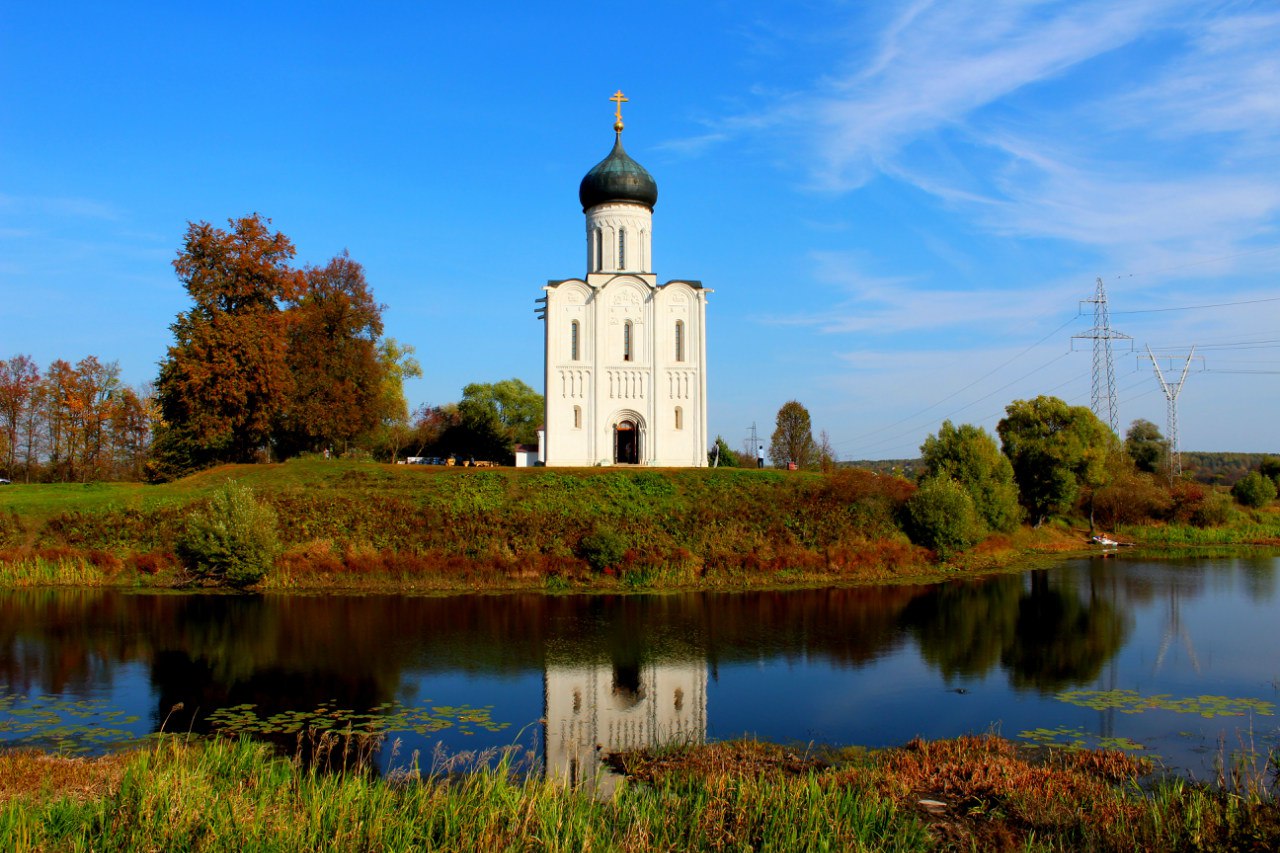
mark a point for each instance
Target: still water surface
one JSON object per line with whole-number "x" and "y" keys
{"x": 1171, "y": 657}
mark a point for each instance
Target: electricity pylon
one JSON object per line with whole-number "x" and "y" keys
{"x": 1103, "y": 398}
{"x": 1171, "y": 392}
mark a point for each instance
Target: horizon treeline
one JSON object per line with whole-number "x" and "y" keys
{"x": 72, "y": 422}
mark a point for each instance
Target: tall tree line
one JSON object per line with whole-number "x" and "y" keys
{"x": 71, "y": 422}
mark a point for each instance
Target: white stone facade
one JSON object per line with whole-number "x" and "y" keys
{"x": 626, "y": 378}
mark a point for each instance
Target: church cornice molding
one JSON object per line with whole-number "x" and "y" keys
{"x": 649, "y": 281}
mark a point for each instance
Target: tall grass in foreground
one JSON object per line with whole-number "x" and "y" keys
{"x": 970, "y": 793}
{"x": 224, "y": 795}
{"x": 70, "y": 571}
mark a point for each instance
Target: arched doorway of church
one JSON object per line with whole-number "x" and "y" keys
{"x": 626, "y": 443}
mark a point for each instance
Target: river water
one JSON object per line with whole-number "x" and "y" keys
{"x": 1178, "y": 659}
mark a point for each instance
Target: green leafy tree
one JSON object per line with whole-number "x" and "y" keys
{"x": 333, "y": 358}
{"x": 941, "y": 516}
{"x": 226, "y": 379}
{"x": 1269, "y": 467}
{"x": 393, "y": 431}
{"x": 487, "y": 423}
{"x": 792, "y": 439}
{"x": 492, "y": 418}
{"x": 1059, "y": 453}
{"x": 1254, "y": 490}
{"x": 514, "y": 405}
{"x": 969, "y": 455}
{"x": 727, "y": 457}
{"x": 1146, "y": 446}
{"x": 232, "y": 541}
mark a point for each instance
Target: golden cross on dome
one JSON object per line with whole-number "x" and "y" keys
{"x": 619, "y": 99}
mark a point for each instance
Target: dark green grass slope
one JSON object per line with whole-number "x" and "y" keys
{"x": 337, "y": 515}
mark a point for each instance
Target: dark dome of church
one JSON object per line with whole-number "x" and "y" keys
{"x": 618, "y": 178}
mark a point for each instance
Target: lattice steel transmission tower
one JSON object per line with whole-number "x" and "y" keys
{"x": 1103, "y": 399}
{"x": 1171, "y": 392}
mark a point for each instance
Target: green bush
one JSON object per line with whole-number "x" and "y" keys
{"x": 941, "y": 516}
{"x": 1214, "y": 511}
{"x": 232, "y": 540}
{"x": 1254, "y": 490}
{"x": 602, "y": 549}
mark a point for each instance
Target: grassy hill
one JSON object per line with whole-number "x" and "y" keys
{"x": 341, "y": 521}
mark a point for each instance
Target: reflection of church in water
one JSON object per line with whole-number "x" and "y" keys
{"x": 593, "y": 710}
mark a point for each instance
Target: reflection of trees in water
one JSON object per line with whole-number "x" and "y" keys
{"x": 1061, "y": 639}
{"x": 1048, "y": 629}
{"x": 846, "y": 626}
{"x": 1259, "y": 575}
{"x": 1046, "y": 635}
{"x": 51, "y": 640}
{"x": 963, "y": 627}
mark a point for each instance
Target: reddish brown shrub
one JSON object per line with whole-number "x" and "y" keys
{"x": 152, "y": 562}
{"x": 1186, "y": 497}
{"x": 1132, "y": 497}
{"x": 104, "y": 561}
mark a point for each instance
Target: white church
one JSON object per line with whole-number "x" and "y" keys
{"x": 626, "y": 357}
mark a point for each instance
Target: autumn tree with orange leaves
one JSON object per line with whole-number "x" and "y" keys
{"x": 332, "y": 336}
{"x": 226, "y": 380}
{"x": 270, "y": 359}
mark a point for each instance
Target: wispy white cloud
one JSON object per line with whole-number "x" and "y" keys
{"x": 1227, "y": 81}
{"x": 1121, "y": 165}
{"x": 57, "y": 207}
{"x": 938, "y": 63}
{"x": 1106, "y": 205}
{"x": 890, "y": 305}
{"x": 691, "y": 144}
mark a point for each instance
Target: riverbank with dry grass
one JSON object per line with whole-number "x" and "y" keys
{"x": 971, "y": 793}
{"x": 363, "y": 526}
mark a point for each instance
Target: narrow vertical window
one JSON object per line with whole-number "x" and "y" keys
{"x": 626, "y": 341}
{"x": 679, "y": 340}
{"x": 573, "y": 341}
{"x": 577, "y": 417}
{"x": 599, "y": 250}
{"x": 622, "y": 249}
{"x": 679, "y": 418}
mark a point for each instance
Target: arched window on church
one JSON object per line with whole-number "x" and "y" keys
{"x": 679, "y": 340}
{"x": 679, "y": 418}
{"x": 577, "y": 417}
{"x": 599, "y": 264}
{"x": 626, "y": 341}
{"x": 622, "y": 248}
{"x": 574, "y": 337}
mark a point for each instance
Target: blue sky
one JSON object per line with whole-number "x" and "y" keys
{"x": 898, "y": 205}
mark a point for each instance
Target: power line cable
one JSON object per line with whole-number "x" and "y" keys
{"x": 959, "y": 391}
{"x": 934, "y": 421}
{"x": 1201, "y": 262}
{"x": 1198, "y": 307}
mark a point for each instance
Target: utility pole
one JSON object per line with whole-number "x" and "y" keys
{"x": 757, "y": 449}
{"x": 1103, "y": 398}
{"x": 1171, "y": 392}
